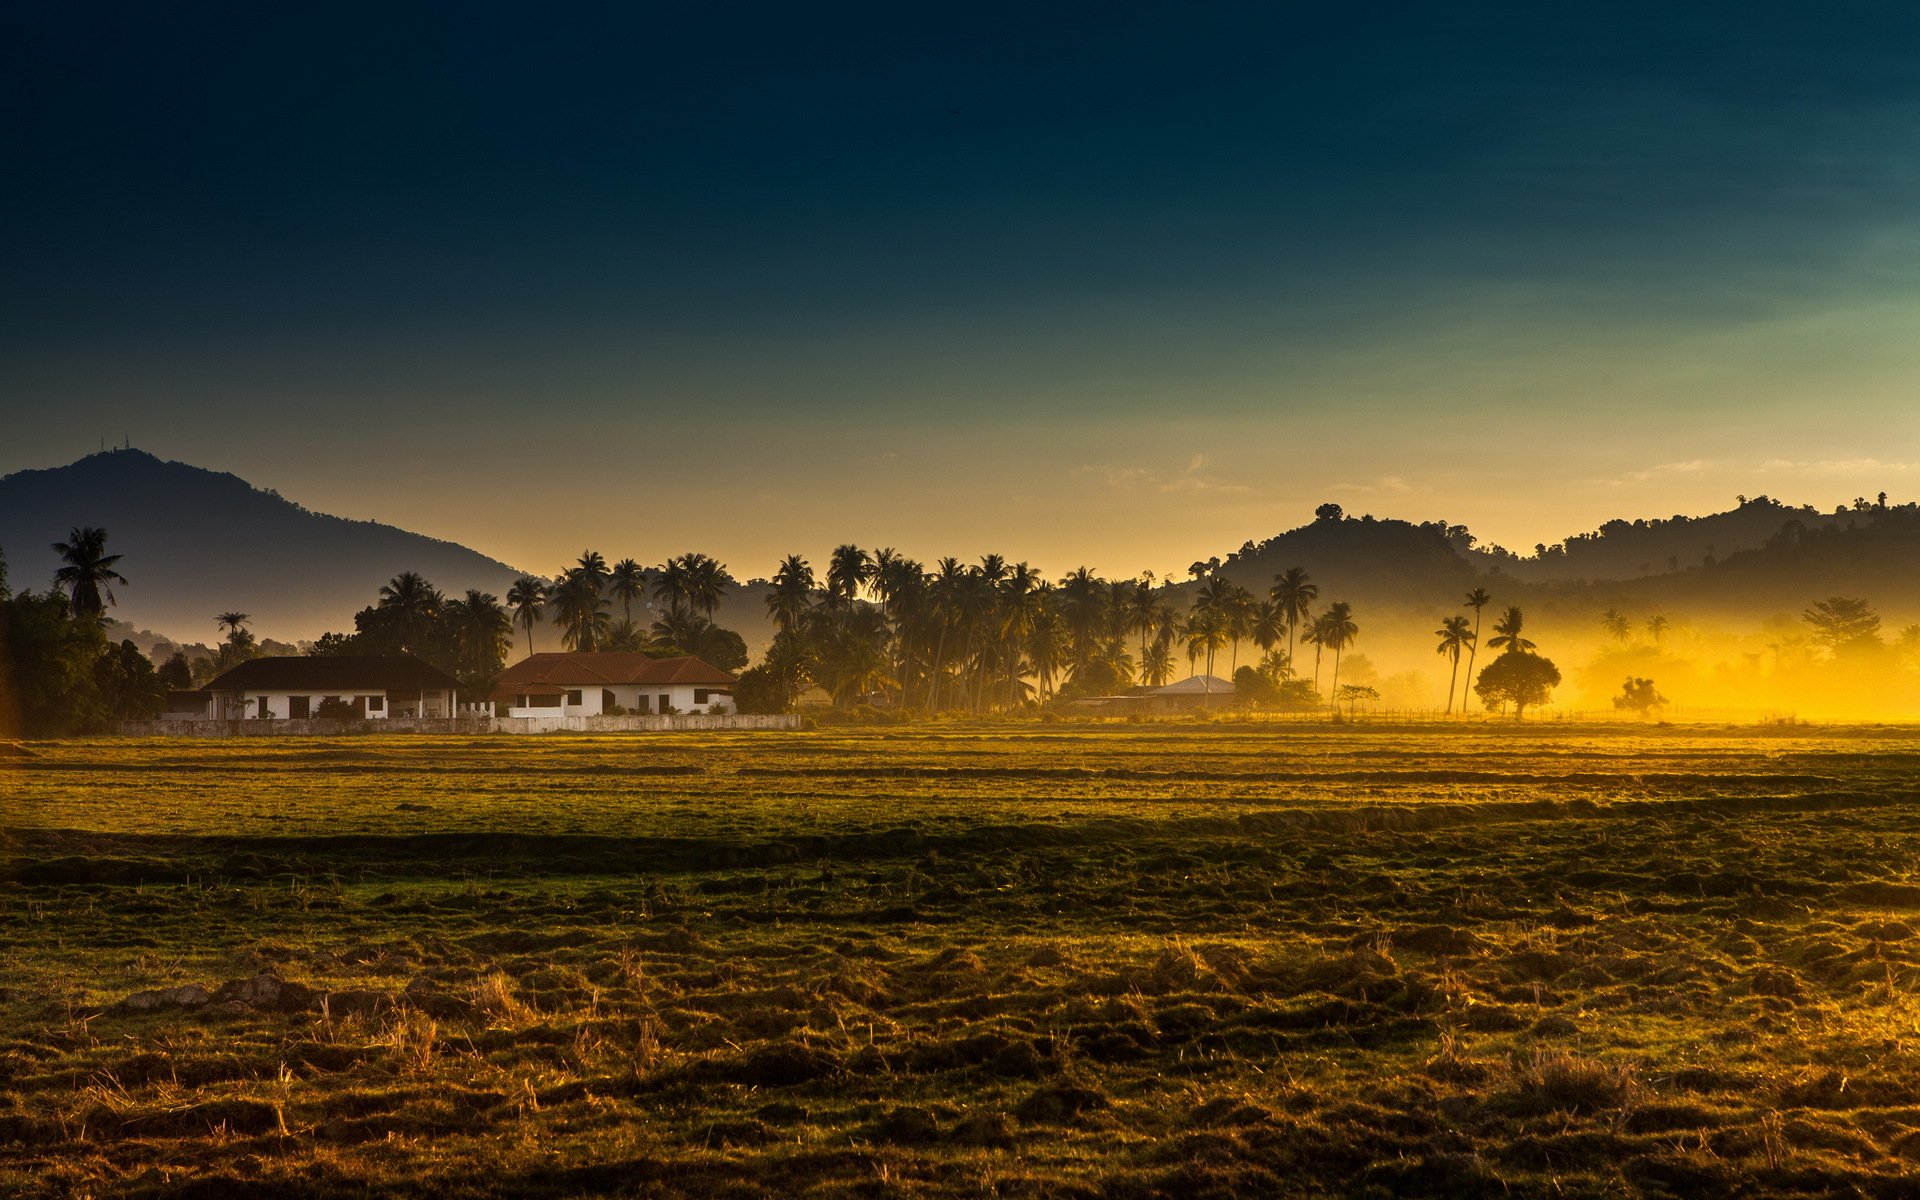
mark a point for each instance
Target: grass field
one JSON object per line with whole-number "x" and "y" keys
{"x": 1034, "y": 960}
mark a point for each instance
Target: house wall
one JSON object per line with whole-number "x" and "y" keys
{"x": 231, "y": 706}
{"x": 628, "y": 696}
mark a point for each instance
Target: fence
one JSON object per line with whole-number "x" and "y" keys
{"x": 688, "y": 723}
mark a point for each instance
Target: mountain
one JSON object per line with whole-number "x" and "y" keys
{"x": 199, "y": 542}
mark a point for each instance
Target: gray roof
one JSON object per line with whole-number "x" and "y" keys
{"x": 1196, "y": 685}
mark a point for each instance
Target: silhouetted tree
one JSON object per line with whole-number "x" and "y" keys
{"x": 1843, "y": 624}
{"x": 1455, "y": 639}
{"x": 527, "y": 597}
{"x": 1639, "y": 695}
{"x": 1507, "y": 633}
{"x": 88, "y": 575}
{"x": 1294, "y": 591}
{"x": 1519, "y": 678}
{"x": 1477, "y": 600}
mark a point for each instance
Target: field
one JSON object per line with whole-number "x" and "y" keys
{"x": 1019, "y": 960}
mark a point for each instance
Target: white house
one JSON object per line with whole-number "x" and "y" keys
{"x": 294, "y": 687}
{"x": 592, "y": 685}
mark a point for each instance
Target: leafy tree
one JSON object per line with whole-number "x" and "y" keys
{"x": 333, "y": 708}
{"x": 88, "y": 575}
{"x": 48, "y": 686}
{"x": 1353, "y": 695}
{"x": 1639, "y": 695}
{"x": 1842, "y": 624}
{"x": 1518, "y": 677}
{"x": 128, "y": 686}
{"x": 176, "y": 674}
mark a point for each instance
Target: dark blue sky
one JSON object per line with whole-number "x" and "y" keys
{"x": 1086, "y": 263}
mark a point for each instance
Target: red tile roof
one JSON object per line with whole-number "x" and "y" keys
{"x": 537, "y": 672}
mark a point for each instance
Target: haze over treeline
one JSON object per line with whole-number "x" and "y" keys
{"x": 1712, "y": 606}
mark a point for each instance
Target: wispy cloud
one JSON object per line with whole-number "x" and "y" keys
{"x": 1191, "y": 478}
{"x": 1836, "y": 466}
{"x": 1387, "y": 485}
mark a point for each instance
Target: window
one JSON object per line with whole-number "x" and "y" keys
{"x": 376, "y": 704}
{"x": 699, "y": 695}
{"x": 298, "y": 707}
{"x": 573, "y": 697}
{"x": 540, "y": 701}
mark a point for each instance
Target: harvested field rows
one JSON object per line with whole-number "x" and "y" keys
{"x": 970, "y": 961}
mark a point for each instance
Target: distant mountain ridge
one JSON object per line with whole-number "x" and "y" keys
{"x": 198, "y": 542}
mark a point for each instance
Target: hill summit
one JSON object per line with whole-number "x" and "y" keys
{"x": 197, "y": 542}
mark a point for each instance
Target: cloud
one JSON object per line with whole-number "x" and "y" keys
{"x": 1191, "y": 478}
{"x": 1392, "y": 485}
{"x": 1836, "y": 466}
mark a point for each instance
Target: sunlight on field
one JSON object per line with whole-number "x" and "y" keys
{"x": 991, "y": 960}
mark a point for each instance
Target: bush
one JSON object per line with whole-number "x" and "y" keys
{"x": 333, "y": 708}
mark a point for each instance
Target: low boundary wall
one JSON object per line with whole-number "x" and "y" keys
{"x": 689, "y": 723}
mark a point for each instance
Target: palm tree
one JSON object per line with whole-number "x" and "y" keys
{"x": 580, "y": 610}
{"x": 1509, "y": 639}
{"x": 1295, "y": 594}
{"x": 847, "y": 569}
{"x": 627, "y": 582}
{"x": 1239, "y": 613}
{"x": 1267, "y": 626}
{"x": 792, "y": 592}
{"x": 1206, "y": 634}
{"x": 526, "y": 598}
{"x": 1657, "y": 626}
{"x": 1477, "y": 600}
{"x": 483, "y": 630}
{"x": 1455, "y": 637}
{"x": 89, "y": 574}
{"x": 1020, "y": 602}
{"x": 706, "y": 582}
{"x": 1616, "y": 624}
{"x": 672, "y": 586}
{"x": 1156, "y": 664}
{"x": 238, "y": 645}
{"x": 1142, "y": 612}
{"x": 1313, "y": 634}
{"x": 413, "y": 605}
{"x": 594, "y": 565}
{"x": 1339, "y": 632}
{"x": 1047, "y": 641}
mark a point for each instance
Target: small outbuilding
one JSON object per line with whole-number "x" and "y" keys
{"x": 293, "y": 687}
{"x": 609, "y": 682}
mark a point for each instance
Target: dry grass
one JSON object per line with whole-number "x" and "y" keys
{"x": 967, "y": 962}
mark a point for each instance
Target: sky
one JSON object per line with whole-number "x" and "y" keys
{"x": 1121, "y": 285}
